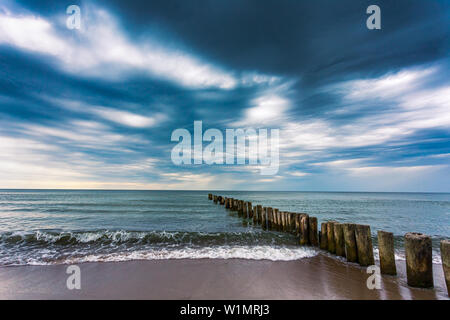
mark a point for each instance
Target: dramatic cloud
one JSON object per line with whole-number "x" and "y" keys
{"x": 357, "y": 109}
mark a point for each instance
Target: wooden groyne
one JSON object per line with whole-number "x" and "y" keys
{"x": 348, "y": 240}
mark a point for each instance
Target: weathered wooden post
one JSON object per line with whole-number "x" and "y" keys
{"x": 285, "y": 221}
{"x": 259, "y": 212}
{"x": 313, "y": 231}
{"x": 323, "y": 236}
{"x": 275, "y": 225}
{"x": 209, "y": 196}
{"x": 445, "y": 257}
{"x": 249, "y": 210}
{"x": 292, "y": 215}
{"x": 215, "y": 199}
{"x": 364, "y": 245}
{"x": 350, "y": 242}
{"x": 240, "y": 208}
{"x": 304, "y": 227}
{"x": 279, "y": 220}
{"x": 330, "y": 237}
{"x": 255, "y": 215}
{"x": 264, "y": 218}
{"x": 288, "y": 221}
{"x": 282, "y": 215}
{"x": 419, "y": 263}
{"x": 339, "y": 239}
{"x": 386, "y": 250}
{"x": 244, "y": 210}
{"x": 222, "y": 201}
{"x": 297, "y": 224}
{"x": 227, "y": 203}
{"x": 269, "y": 218}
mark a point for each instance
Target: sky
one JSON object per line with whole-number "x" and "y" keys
{"x": 95, "y": 107}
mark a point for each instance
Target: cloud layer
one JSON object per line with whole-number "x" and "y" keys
{"x": 95, "y": 108}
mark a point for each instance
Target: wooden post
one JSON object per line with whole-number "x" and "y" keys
{"x": 350, "y": 242}
{"x": 445, "y": 257}
{"x": 264, "y": 218}
{"x": 244, "y": 210}
{"x": 285, "y": 221}
{"x": 227, "y": 203}
{"x": 269, "y": 218}
{"x": 287, "y": 218}
{"x": 288, "y": 221}
{"x": 313, "y": 231}
{"x": 280, "y": 222}
{"x": 323, "y": 236}
{"x": 222, "y": 201}
{"x": 339, "y": 239}
{"x": 215, "y": 199}
{"x": 259, "y": 212}
{"x": 292, "y": 215}
{"x": 276, "y": 218}
{"x": 386, "y": 250}
{"x": 275, "y": 225}
{"x": 240, "y": 207}
{"x": 297, "y": 224}
{"x": 419, "y": 263}
{"x": 210, "y": 196}
{"x": 364, "y": 245}
{"x": 330, "y": 237}
{"x": 249, "y": 210}
{"x": 304, "y": 227}
{"x": 255, "y": 215}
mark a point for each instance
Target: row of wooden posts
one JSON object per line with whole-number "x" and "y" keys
{"x": 348, "y": 240}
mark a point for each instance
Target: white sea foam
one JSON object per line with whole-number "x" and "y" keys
{"x": 223, "y": 252}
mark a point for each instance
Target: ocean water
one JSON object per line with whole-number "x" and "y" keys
{"x": 54, "y": 227}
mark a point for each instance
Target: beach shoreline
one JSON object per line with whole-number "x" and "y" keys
{"x": 318, "y": 277}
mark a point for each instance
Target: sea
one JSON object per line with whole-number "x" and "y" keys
{"x": 41, "y": 227}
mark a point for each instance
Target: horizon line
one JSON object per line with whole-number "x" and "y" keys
{"x": 217, "y": 190}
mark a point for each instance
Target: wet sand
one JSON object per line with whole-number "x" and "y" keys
{"x": 320, "y": 277}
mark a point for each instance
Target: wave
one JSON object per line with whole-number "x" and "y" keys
{"x": 53, "y": 247}
{"x": 223, "y": 252}
{"x": 118, "y": 237}
{"x": 43, "y": 247}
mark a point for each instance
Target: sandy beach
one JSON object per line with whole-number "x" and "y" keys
{"x": 319, "y": 277}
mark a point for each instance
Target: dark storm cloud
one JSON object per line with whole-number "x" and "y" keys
{"x": 353, "y": 98}
{"x": 317, "y": 39}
